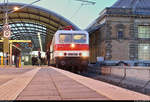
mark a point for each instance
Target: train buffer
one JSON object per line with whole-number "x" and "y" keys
{"x": 49, "y": 83}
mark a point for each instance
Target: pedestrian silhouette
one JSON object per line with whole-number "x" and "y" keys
{"x": 16, "y": 60}
{"x": 39, "y": 57}
{"x": 48, "y": 57}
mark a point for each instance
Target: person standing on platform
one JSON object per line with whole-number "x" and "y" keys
{"x": 7, "y": 58}
{"x": 34, "y": 60}
{"x": 16, "y": 60}
{"x": 48, "y": 57}
{"x": 39, "y": 55}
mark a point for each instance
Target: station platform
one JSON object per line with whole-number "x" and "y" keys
{"x": 50, "y": 83}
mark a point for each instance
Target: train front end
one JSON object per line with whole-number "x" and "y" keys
{"x": 72, "y": 49}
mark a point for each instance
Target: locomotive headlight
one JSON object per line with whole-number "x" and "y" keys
{"x": 85, "y": 54}
{"x": 61, "y": 54}
{"x": 73, "y": 45}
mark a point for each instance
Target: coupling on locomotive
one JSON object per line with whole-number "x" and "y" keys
{"x": 70, "y": 49}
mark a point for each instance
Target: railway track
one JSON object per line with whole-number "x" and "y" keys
{"x": 97, "y": 76}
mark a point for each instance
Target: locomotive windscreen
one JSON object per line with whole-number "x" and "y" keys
{"x": 72, "y": 38}
{"x": 65, "y": 38}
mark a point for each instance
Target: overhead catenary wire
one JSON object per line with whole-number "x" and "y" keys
{"x": 25, "y": 6}
{"x": 76, "y": 11}
{"x": 84, "y": 2}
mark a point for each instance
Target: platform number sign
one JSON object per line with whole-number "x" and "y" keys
{"x": 6, "y": 30}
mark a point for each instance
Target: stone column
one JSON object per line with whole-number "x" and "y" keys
{"x": 5, "y": 49}
{"x": 133, "y": 43}
{"x": 108, "y": 41}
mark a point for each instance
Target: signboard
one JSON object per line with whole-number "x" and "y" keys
{"x": 6, "y": 30}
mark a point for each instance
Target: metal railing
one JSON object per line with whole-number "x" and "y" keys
{"x": 120, "y": 82}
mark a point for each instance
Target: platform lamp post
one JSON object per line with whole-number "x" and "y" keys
{"x": 7, "y": 29}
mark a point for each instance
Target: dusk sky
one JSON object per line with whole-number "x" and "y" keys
{"x": 69, "y": 8}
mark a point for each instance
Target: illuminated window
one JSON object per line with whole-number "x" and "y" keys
{"x": 79, "y": 38}
{"x": 65, "y": 38}
{"x": 26, "y": 58}
{"x": 143, "y": 31}
{"x": 144, "y": 51}
{"x": 75, "y": 38}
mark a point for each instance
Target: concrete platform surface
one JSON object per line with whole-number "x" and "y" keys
{"x": 49, "y": 83}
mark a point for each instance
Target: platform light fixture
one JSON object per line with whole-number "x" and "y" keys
{"x": 16, "y": 8}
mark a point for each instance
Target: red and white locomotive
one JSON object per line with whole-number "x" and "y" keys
{"x": 70, "y": 49}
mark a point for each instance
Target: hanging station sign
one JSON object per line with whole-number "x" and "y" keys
{"x": 6, "y": 30}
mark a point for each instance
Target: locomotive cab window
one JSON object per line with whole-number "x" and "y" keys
{"x": 75, "y": 38}
{"x": 65, "y": 38}
{"x": 79, "y": 38}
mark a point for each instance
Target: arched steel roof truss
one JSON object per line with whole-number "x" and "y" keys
{"x": 27, "y": 22}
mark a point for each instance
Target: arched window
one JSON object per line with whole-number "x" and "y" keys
{"x": 120, "y": 31}
{"x": 120, "y": 34}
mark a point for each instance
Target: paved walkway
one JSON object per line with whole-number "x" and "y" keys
{"x": 48, "y": 84}
{"x": 55, "y": 84}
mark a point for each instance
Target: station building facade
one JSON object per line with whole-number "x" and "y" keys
{"x": 121, "y": 32}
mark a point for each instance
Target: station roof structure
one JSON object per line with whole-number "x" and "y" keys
{"x": 132, "y": 8}
{"x": 131, "y": 4}
{"x": 26, "y": 23}
{"x": 138, "y": 6}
